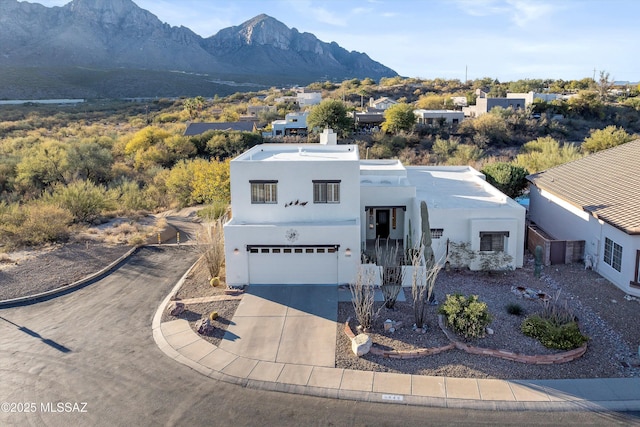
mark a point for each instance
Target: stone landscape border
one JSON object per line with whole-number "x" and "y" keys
{"x": 542, "y": 359}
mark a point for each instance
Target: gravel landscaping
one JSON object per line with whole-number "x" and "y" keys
{"x": 604, "y": 315}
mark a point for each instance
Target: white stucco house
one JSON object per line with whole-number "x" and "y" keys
{"x": 293, "y": 124}
{"x": 436, "y": 117}
{"x": 305, "y": 213}
{"x": 595, "y": 199}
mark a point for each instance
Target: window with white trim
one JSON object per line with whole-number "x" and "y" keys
{"x": 493, "y": 241}
{"x": 326, "y": 191}
{"x": 264, "y": 192}
{"x": 613, "y": 254}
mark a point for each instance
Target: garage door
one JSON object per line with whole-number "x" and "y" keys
{"x": 293, "y": 265}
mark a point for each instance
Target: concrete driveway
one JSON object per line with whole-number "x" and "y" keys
{"x": 286, "y": 324}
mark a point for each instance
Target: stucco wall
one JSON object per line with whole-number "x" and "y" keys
{"x": 565, "y": 221}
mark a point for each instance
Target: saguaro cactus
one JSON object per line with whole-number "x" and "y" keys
{"x": 538, "y": 265}
{"x": 426, "y": 235}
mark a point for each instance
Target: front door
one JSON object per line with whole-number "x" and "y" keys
{"x": 382, "y": 223}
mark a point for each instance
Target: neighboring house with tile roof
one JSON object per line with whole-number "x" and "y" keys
{"x": 595, "y": 199}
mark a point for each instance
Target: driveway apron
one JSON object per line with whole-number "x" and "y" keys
{"x": 285, "y": 324}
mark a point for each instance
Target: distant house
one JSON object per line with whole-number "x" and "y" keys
{"x": 531, "y": 96}
{"x": 595, "y": 199}
{"x": 438, "y": 117}
{"x": 200, "y": 128}
{"x": 302, "y": 98}
{"x": 459, "y": 101}
{"x": 294, "y": 124}
{"x": 484, "y": 104}
{"x": 381, "y": 103}
{"x": 368, "y": 121}
{"x": 254, "y": 110}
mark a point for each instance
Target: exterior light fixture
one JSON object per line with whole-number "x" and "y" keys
{"x": 347, "y": 252}
{"x": 236, "y": 251}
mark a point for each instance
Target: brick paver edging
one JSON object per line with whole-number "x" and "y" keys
{"x": 544, "y": 359}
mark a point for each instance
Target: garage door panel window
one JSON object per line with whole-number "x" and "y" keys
{"x": 326, "y": 191}
{"x": 264, "y": 192}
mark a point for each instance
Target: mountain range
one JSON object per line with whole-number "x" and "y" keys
{"x": 113, "y": 48}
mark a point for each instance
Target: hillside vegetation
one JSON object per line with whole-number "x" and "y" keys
{"x": 63, "y": 167}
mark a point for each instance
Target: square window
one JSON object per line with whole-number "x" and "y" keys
{"x": 264, "y": 250}
{"x": 287, "y": 251}
{"x": 264, "y": 192}
{"x": 326, "y": 191}
{"x": 309, "y": 250}
{"x": 275, "y": 250}
{"x": 493, "y": 241}
{"x": 321, "y": 250}
{"x": 298, "y": 250}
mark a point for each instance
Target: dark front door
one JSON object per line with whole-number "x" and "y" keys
{"x": 382, "y": 223}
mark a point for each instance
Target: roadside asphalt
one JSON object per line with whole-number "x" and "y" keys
{"x": 282, "y": 338}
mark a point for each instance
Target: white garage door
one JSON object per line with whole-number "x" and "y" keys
{"x": 293, "y": 265}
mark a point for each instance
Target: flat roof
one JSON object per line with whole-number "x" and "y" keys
{"x": 455, "y": 187}
{"x": 299, "y": 152}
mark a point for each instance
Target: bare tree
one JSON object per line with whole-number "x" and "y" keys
{"x": 363, "y": 297}
{"x": 604, "y": 84}
{"x": 392, "y": 272}
{"x": 210, "y": 244}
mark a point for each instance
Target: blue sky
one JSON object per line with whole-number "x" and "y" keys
{"x": 503, "y": 39}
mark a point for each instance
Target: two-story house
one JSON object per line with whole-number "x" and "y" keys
{"x": 305, "y": 213}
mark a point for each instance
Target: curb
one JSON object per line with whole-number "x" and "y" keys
{"x": 31, "y": 299}
{"x": 557, "y": 395}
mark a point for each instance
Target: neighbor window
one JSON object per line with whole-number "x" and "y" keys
{"x": 264, "y": 191}
{"x": 613, "y": 254}
{"x": 326, "y": 191}
{"x": 493, "y": 241}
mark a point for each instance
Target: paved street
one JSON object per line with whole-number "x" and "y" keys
{"x": 95, "y": 346}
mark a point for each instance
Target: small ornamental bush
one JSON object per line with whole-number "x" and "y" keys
{"x": 563, "y": 337}
{"x": 514, "y": 309}
{"x": 466, "y": 315}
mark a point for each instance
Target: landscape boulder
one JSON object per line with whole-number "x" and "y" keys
{"x": 361, "y": 344}
{"x": 204, "y": 326}
{"x": 175, "y": 308}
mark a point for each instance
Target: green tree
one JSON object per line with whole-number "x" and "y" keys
{"x": 544, "y": 153}
{"x": 506, "y": 177}
{"x": 601, "y": 139}
{"x": 399, "y": 118}
{"x": 85, "y": 200}
{"x": 331, "y": 114}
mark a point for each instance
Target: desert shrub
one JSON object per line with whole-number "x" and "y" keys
{"x": 566, "y": 336}
{"x": 33, "y": 224}
{"x": 85, "y": 200}
{"x": 213, "y": 211}
{"x": 556, "y": 312}
{"x": 466, "y": 315}
{"x": 514, "y": 309}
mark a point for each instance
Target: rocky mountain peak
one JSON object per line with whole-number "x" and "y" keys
{"x": 265, "y": 30}
{"x": 108, "y": 12}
